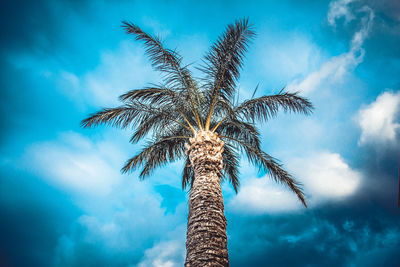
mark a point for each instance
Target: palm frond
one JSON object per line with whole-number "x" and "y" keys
{"x": 241, "y": 130}
{"x": 266, "y": 107}
{"x": 267, "y": 163}
{"x": 157, "y": 95}
{"x": 151, "y": 95}
{"x": 155, "y": 154}
{"x": 118, "y": 117}
{"x": 150, "y": 122}
{"x": 231, "y": 166}
{"x": 187, "y": 175}
{"x": 277, "y": 172}
{"x": 162, "y": 59}
{"x": 225, "y": 59}
{"x": 168, "y": 62}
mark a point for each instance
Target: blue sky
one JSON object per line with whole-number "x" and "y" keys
{"x": 63, "y": 201}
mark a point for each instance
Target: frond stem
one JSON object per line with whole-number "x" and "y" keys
{"x": 183, "y": 115}
{"x": 227, "y": 116}
{"x": 207, "y": 125}
{"x": 166, "y": 116}
{"x": 190, "y": 97}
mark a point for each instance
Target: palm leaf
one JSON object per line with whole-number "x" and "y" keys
{"x": 231, "y": 166}
{"x": 187, "y": 174}
{"x": 267, "y": 163}
{"x": 118, "y": 117}
{"x": 168, "y": 62}
{"x": 155, "y": 154}
{"x": 266, "y": 107}
{"x": 224, "y": 61}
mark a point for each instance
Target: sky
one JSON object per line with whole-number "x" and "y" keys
{"x": 64, "y": 202}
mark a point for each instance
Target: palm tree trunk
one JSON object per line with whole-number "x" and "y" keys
{"x": 206, "y": 243}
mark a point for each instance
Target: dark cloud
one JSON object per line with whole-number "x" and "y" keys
{"x": 361, "y": 230}
{"x": 90, "y": 254}
{"x": 382, "y": 58}
{"x": 35, "y": 26}
{"x": 27, "y": 28}
{"x": 30, "y": 107}
{"x": 33, "y": 215}
{"x": 327, "y": 236}
{"x": 379, "y": 164}
{"x": 388, "y": 8}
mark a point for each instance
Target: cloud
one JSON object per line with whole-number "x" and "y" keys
{"x": 334, "y": 69}
{"x": 262, "y": 195}
{"x": 33, "y": 216}
{"x": 327, "y": 236}
{"x": 120, "y": 216}
{"x": 378, "y": 120}
{"x": 75, "y": 163}
{"x": 127, "y": 228}
{"x": 338, "y": 9}
{"x": 164, "y": 254}
{"x": 325, "y": 176}
{"x": 286, "y": 57}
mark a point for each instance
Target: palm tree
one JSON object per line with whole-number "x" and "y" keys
{"x": 201, "y": 122}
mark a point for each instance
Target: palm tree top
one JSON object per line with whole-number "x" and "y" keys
{"x": 181, "y": 107}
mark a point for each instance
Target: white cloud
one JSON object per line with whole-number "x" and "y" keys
{"x": 338, "y": 9}
{"x": 325, "y": 176}
{"x": 124, "y": 219}
{"x": 334, "y": 69}
{"x": 124, "y": 225}
{"x": 377, "y": 120}
{"x": 164, "y": 254}
{"x": 331, "y": 70}
{"x": 262, "y": 195}
{"x": 75, "y": 163}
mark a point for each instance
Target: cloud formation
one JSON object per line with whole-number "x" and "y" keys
{"x": 164, "y": 254}
{"x": 262, "y": 195}
{"x": 76, "y": 163}
{"x": 338, "y": 9}
{"x": 325, "y": 177}
{"x": 333, "y": 70}
{"x": 378, "y": 120}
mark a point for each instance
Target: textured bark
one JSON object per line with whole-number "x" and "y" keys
{"x": 206, "y": 243}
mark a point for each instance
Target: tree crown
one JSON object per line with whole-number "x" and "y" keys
{"x": 180, "y": 106}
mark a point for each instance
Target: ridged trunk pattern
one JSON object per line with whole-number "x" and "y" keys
{"x": 206, "y": 243}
